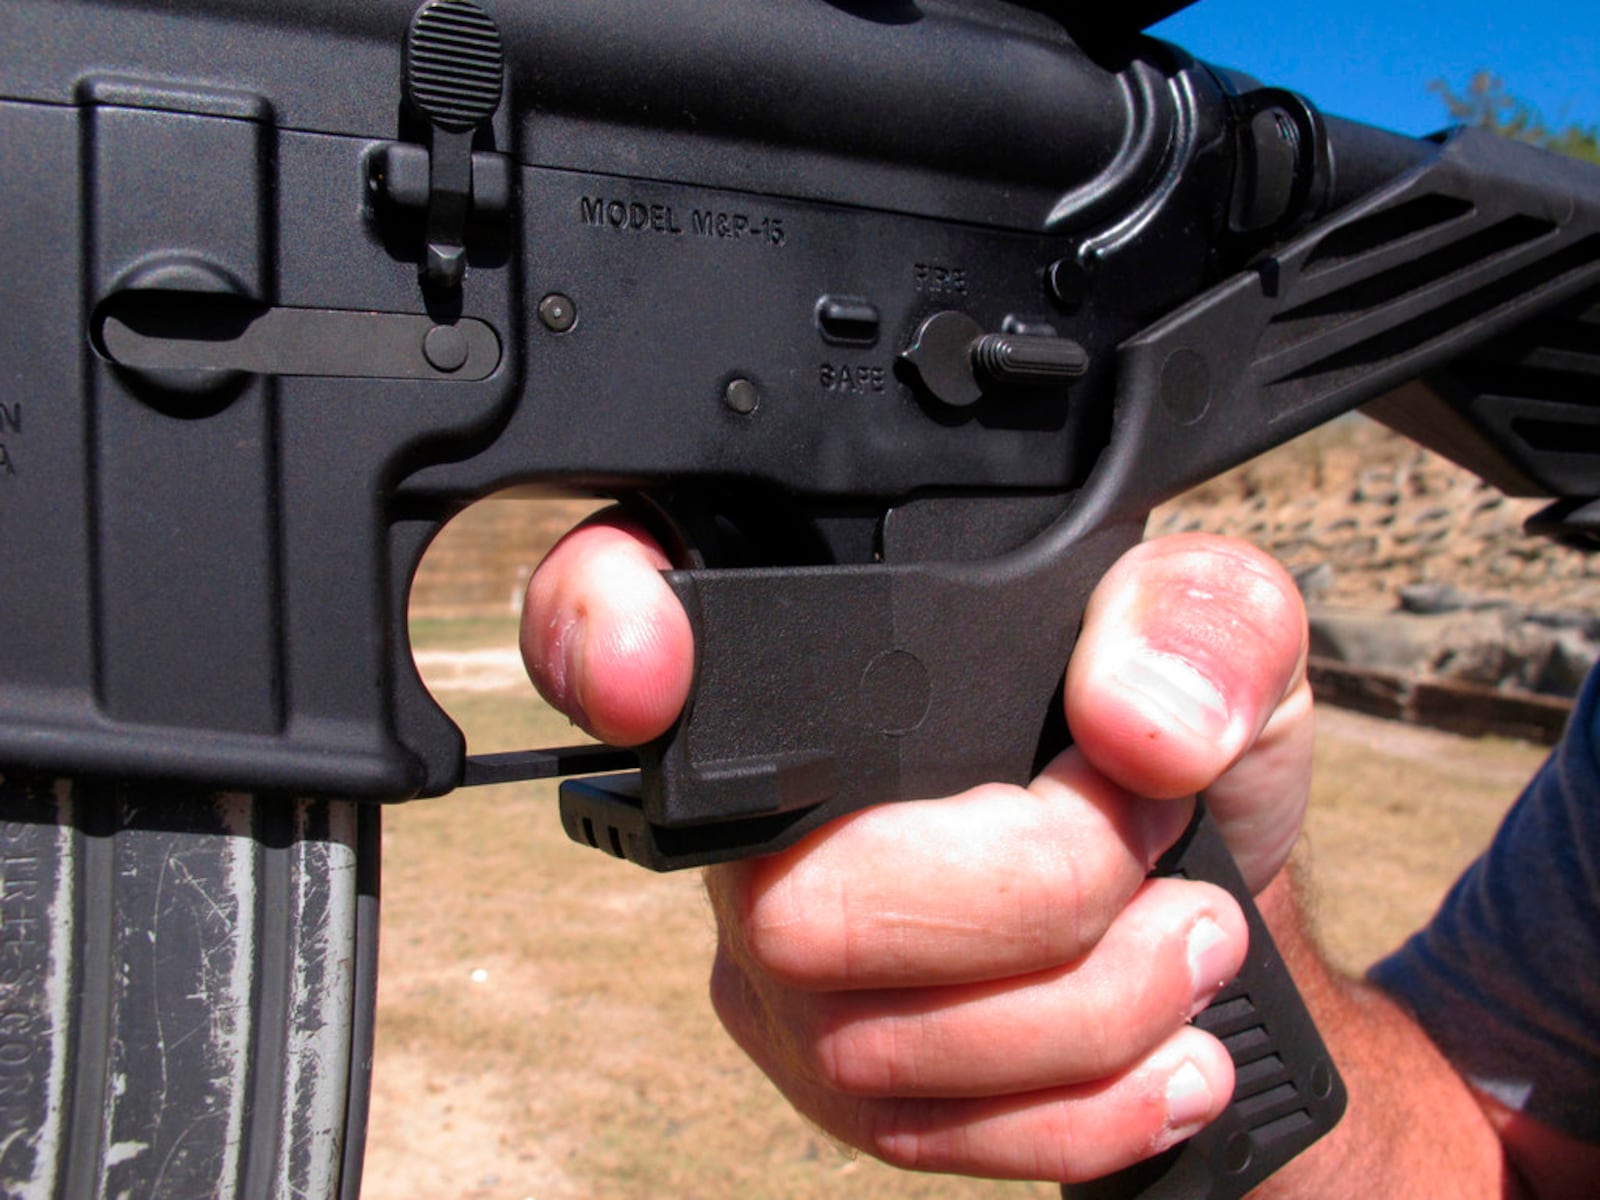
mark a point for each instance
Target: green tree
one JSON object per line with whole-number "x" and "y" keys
{"x": 1486, "y": 104}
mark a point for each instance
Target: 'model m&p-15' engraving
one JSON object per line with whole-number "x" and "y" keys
{"x": 639, "y": 216}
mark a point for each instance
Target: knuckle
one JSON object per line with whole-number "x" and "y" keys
{"x": 1096, "y": 1052}
{"x": 791, "y": 935}
{"x": 788, "y": 955}
{"x": 1054, "y": 1152}
{"x": 862, "y": 1059}
{"x": 902, "y": 1134}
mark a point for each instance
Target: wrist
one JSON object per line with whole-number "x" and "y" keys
{"x": 1413, "y": 1127}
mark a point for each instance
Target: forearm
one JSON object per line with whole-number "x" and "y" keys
{"x": 1414, "y": 1127}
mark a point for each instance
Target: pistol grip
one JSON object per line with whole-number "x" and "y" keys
{"x": 1287, "y": 1092}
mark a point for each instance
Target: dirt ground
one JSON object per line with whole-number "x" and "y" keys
{"x": 543, "y": 1031}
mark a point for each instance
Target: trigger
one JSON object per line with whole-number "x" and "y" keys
{"x": 682, "y": 530}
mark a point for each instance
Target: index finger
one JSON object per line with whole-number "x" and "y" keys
{"x": 603, "y": 637}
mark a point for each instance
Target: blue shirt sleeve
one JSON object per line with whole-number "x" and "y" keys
{"x": 1506, "y": 977}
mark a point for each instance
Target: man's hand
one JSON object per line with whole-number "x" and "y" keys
{"x": 987, "y": 983}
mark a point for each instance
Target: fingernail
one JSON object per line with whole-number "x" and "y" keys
{"x": 570, "y": 645}
{"x": 1189, "y": 1103}
{"x": 1161, "y": 823}
{"x": 1171, "y": 683}
{"x": 1210, "y": 962}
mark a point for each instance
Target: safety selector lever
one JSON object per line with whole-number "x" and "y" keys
{"x": 954, "y": 359}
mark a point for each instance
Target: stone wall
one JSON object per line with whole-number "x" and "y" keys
{"x": 1357, "y": 513}
{"x": 479, "y": 563}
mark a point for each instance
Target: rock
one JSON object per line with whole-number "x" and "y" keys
{"x": 1483, "y": 657}
{"x": 1377, "y": 486}
{"x": 1432, "y": 598}
{"x": 1315, "y": 581}
{"x": 1585, "y": 623}
{"x": 1487, "y": 646}
{"x": 1386, "y": 641}
{"x": 1563, "y": 670}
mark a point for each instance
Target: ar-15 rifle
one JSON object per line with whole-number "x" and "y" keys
{"x": 900, "y": 316}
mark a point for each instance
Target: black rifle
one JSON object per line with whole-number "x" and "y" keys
{"x": 899, "y": 317}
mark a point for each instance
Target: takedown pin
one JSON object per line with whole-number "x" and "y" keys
{"x": 200, "y": 335}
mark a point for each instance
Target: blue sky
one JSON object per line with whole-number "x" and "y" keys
{"x": 1373, "y": 59}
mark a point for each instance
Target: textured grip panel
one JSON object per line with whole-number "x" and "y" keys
{"x": 1287, "y": 1092}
